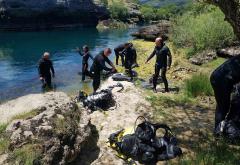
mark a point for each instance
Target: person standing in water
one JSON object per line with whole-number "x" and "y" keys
{"x": 118, "y": 52}
{"x": 129, "y": 55}
{"x": 46, "y": 70}
{"x": 86, "y": 55}
{"x": 99, "y": 65}
{"x": 163, "y": 62}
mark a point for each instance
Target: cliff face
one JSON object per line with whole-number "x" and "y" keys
{"x": 43, "y": 14}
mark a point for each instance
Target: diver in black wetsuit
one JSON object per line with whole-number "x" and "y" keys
{"x": 99, "y": 65}
{"x": 223, "y": 80}
{"x": 46, "y": 70}
{"x": 86, "y": 55}
{"x": 163, "y": 60}
{"x": 129, "y": 54}
{"x": 118, "y": 52}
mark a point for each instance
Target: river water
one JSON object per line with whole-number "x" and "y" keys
{"x": 21, "y": 51}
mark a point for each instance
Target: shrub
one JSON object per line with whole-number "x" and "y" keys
{"x": 198, "y": 85}
{"x": 204, "y": 30}
{"x": 119, "y": 11}
{"x": 152, "y": 14}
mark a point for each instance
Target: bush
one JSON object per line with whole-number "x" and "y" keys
{"x": 204, "y": 30}
{"x": 198, "y": 85}
{"x": 119, "y": 11}
{"x": 153, "y": 14}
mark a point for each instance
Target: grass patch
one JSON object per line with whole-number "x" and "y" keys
{"x": 211, "y": 152}
{"x": 26, "y": 115}
{"x": 215, "y": 63}
{"x": 26, "y": 154}
{"x": 198, "y": 85}
{"x": 4, "y": 141}
{"x": 3, "y": 128}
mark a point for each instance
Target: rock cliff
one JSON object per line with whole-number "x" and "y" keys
{"x": 45, "y": 14}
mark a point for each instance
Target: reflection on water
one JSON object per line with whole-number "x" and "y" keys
{"x": 20, "y": 52}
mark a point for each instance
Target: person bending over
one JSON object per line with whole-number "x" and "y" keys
{"x": 86, "y": 55}
{"x": 99, "y": 65}
{"x": 118, "y": 52}
{"x": 46, "y": 70}
{"x": 163, "y": 62}
{"x": 223, "y": 80}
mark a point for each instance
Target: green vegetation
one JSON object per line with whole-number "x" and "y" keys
{"x": 26, "y": 115}
{"x": 26, "y": 154}
{"x": 4, "y": 141}
{"x": 201, "y": 27}
{"x": 209, "y": 152}
{"x": 118, "y": 10}
{"x": 198, "y": 85}
{"x": 153, "y": 14}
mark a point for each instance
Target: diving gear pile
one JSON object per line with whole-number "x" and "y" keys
{"x": 144, "y": 145}
{"x": 102, "y": 99}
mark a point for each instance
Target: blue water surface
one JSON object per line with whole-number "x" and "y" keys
{"x": 21, "y": 51}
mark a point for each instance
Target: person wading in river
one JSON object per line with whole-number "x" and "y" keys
{"x": 99, "y": 65}
{"x": 118, "y": 52}
{"x": 86, "y": 55}
{"x": 46, "y": 70}
{"x": 163, "y": 62}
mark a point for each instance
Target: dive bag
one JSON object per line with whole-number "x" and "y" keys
{"x": 120, "y": 77}
{"x": 102, "y": 99}
{"x": 144, "y": 146}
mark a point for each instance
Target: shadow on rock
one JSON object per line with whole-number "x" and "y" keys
{"x": 90, "y": 151}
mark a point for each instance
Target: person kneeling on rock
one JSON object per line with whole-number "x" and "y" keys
{"x": 163, "y": 59}
{"x": 46, "y": 70}
{"x": 223, "y": 80}
{"x": 99, "y": 65}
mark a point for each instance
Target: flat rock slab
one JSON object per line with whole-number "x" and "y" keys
{"x": 30, "y": 102}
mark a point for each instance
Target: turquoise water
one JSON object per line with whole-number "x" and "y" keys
{"x": 20, "y": 52}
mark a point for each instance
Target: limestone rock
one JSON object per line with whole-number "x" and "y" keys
{"x": 151, "y": 32}
{"x": 229, "y": 52}
{"x": 204, "y": 57}
{"x": 60, "y": 133}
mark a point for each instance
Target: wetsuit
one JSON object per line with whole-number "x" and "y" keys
{"x": 96, "y": 68}
{"x": 85, "y": 71}
{"x": 223, "y": 80}
{"x": 134, "y": 55}
{"x": 45, "y": 68}
{"x": 163, "y": 59}
{"x": 129, "y": 55}
{"x": 118, "y": 52}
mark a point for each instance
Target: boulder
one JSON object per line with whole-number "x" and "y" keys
{"x": 60, "y": 132}
{"x": 38, "y": 14}
{"x": 150, "y": 33}
{"x": 229, "y": 52}
{"x": 203, "y": 57}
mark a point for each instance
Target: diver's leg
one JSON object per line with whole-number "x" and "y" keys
{"x": 83, "y": 72}
{"x": 117, "y": 56}
{"x": 222, "y": 91}
{"x": 96, "y": 81}
{"x": 155, "y": 77}
{"x": 164, "y": 78}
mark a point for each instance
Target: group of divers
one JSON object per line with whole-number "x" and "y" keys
{"x": 223, "y": 79}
